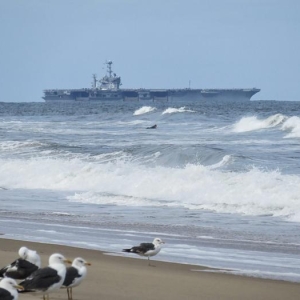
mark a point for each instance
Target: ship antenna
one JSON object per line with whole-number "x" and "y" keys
{"x": 109, "y": 63}
{"x": 94, "y": 83}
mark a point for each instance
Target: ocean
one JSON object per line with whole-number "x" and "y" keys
{"x": 219, "y": 182}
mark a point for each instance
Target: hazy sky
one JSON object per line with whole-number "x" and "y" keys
{"x": 153, "y": 44}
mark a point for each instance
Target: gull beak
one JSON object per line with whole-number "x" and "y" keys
{"x": 67, "y": 261}
{"x": 87, "y": 263}
{"x": 19, "y": 287}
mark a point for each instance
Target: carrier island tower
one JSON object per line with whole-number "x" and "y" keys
{"x": 108, "y": 89}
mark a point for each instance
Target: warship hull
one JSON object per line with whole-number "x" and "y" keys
{"x": 108, "y": 89}
{"x": 149, "y": 95}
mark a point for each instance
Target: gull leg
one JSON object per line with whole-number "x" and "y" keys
{"x": 45, "y": 296}
{"x": 71, "y": 294}
{"x": 149, "y": 263}
{"x": 68, "y": 293}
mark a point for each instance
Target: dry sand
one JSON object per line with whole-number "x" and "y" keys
{"x": 115, "y": 277}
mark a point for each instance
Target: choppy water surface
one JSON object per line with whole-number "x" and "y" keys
{"x": 219, "y": 182}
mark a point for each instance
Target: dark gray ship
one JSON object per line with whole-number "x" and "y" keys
{"x": 108, "y": 89}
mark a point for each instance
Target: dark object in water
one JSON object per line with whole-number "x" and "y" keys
{"x": 152, "y": 127}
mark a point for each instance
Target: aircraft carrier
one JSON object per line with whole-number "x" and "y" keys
{"x": 108, "y": 89}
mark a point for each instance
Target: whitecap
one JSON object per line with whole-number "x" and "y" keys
{"x": 172, "y": 110}
{"x": 144, "y": 110}
{"x": 253, "y": 123}
{"x": 292, "y": 124}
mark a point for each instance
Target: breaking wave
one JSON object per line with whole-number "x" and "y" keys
{"x": 193, "y": 187}
{"x": 253, "y": 123}
{"x": 225, "y": 160}
{"x": 144, "y": 110}
{"x": 172, "y": 110}
{"x": 292, "y": 125}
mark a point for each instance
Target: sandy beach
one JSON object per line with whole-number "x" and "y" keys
{"x": 115, "y": 277}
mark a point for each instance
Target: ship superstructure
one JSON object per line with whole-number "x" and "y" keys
{"x": 108, "y": 82}
{"x": 108, "y": 89}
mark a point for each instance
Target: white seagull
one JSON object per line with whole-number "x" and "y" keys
{"x": 75, "y": 274}
{"x": 8, "y": 289}
{"x": 48, "y": 279}
{"x": 146, "y": 249}
{"x": 24, "y": 266}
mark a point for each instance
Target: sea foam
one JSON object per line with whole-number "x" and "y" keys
{"x": 144, "y": 110}
{"x": 292, "y": 125}
{"x": 253, "y": 123}
{"x": 172, "y": 110}
{"x": 255, "y": 192}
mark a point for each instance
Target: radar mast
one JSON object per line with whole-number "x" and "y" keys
{"x": 109, "y": 81}
{"x": 109, "y": 63}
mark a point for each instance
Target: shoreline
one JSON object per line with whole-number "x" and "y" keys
{"x": 118, "y": 277}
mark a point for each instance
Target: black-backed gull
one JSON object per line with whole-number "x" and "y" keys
{"x": 146, "y": 249}
{"x": 24, "y": 266}
{"x": 75, "y": 274}
{"x": 8, "y": 289}
{"x": 48, "y": 279}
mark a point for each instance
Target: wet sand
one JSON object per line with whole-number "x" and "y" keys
{"x": 116, "y": 277}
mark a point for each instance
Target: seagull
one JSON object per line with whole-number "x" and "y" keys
{"x": 146, "y": 249}
{"x": 75, "y": 274}
{"x": 24, "y": 266}
{"x": 8, "y": 289}
{"x": 48, "y": 279}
